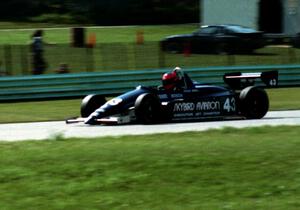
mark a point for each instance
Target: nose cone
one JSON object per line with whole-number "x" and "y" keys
{"x": 92, "y": 119}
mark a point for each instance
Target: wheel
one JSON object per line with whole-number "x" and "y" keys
{"x": 147, "y": 108}
{"x": 254, "y": 102}
{"x": 90, "y": 103}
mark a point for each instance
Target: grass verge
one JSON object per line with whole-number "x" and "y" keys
{"x": 254, "y": 168}
{"x": 284, "y": 98}
{"x": 39, "y": 111}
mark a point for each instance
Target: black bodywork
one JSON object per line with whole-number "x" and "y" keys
{"x": 218, "y": 39}
{"x": 193, "y": 101}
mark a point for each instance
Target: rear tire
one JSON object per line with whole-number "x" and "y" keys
{"x": 147, "y": 108}
{"x": 90, "y": 103}
{"x": 254, "y": 102}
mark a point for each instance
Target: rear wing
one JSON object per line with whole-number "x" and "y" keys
{"x": 238, "y": 80}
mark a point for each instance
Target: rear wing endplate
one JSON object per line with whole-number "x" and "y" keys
{"x": 238, "y": 80}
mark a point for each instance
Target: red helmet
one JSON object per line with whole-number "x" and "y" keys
{"x": 170, "y": 80}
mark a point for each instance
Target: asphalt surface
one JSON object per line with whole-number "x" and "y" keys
{"x": 51, "y": 130}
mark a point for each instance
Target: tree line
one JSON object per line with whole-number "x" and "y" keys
{"x": 102, "y": 12}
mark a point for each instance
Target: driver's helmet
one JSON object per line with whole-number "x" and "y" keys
{"x": 172, "y": 79}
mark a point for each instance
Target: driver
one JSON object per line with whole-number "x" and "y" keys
{"x": 173, "y": 81}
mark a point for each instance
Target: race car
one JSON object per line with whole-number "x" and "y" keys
{"x": 179, "y": 98}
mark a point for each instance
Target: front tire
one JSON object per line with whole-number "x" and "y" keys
{"x": 90, "y": 103}
{"x": 147, "y": 108}
{"x": 254, "y": 102}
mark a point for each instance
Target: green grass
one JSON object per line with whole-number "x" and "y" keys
{"x": 283, "y": 99}
{"x": 280, "y": 99}
{"x": 39, "y": 111}
{"x": 62, "y": 34}
{"x": 255, "y": 168}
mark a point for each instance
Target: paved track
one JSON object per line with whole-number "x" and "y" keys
{"x": 46, "y": 130}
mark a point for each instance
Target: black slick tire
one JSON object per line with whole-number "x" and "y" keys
{"x": 90, "y": 103}
{"x": 147, "y": 109}
{"x": 254, "y": 102}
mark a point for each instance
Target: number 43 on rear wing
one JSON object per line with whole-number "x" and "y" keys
{"x": 238, "y": 80}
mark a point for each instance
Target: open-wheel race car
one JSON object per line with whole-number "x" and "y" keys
{"x": 179, "y": 98}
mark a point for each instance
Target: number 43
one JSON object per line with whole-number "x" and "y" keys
{"x": 229, "y": 104}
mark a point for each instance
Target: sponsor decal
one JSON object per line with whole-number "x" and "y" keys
{"x": 208, "y": 106}
{"x": 206, "y": 114}
{"x": 183, "y": 107}
{"x": 115, "y": 101}
{"x": 198, "y": 106}
{"x": 204, "y": 109}
{"x": 163, "y": 96}
{"x": 188, "y": 114}
{"x": 176, "y": 95}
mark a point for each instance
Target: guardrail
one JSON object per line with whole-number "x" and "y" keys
{"x": 77, "y": 85}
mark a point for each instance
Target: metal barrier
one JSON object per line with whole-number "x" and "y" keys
{"x": 59, "y": 86}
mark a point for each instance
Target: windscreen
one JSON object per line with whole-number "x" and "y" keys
{"x": 241, "y": 29}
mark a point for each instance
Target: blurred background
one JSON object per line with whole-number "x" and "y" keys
{"x": 100, "y": 35}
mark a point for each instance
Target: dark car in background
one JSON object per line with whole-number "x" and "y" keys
{"x": 219, "y": 39}
{"x": 295, "y": 40}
